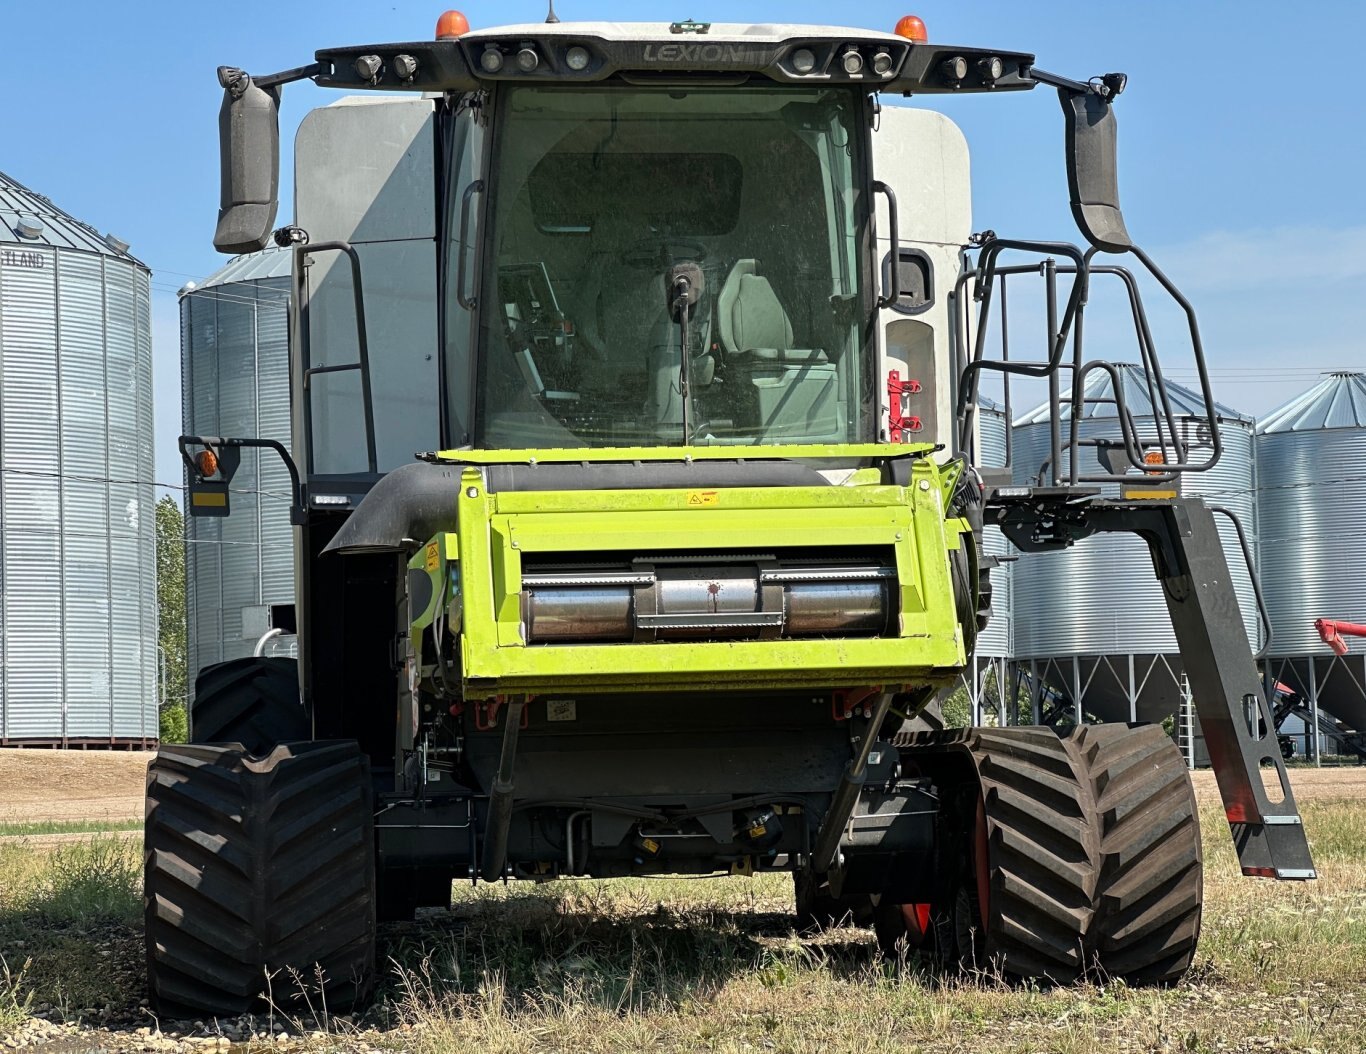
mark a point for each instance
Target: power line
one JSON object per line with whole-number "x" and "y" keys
{"x": 272, "y": 301}
{"x": 277, "y": 495}
{"x": 39, "y": 532}
{"x": 84, "y": 478}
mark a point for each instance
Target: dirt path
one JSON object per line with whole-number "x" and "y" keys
{"x": 1340, "y": 784}
{"x": 71, "y": 785}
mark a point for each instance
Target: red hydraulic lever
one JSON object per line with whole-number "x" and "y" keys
{"x": 897, "y": 422}
{"x": 1331, "y": 632}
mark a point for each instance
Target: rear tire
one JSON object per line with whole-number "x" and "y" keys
{"x": 252, "y": 701}
{"x": 1151, "y": 882}
{"x": 257, "y": 867}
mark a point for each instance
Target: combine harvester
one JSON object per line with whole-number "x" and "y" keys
{"x": 679, "y": 310}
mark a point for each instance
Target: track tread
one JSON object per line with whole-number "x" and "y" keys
{"x": 257, "y": 866}
{"x": 252, "y": 701}
{"x": 1149, "y": 896}
{"x": 1042, "y": 853}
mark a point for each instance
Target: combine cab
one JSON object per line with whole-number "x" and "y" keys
{"x": 678, "y": 313}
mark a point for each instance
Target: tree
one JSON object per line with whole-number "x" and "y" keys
{"x": 171, "y": 627}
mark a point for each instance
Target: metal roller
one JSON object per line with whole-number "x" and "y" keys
{"x": 708, "y": 603}
{"x": 578, "y": 613}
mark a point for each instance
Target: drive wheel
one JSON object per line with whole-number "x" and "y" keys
{"x": 258, "y": 868}
{"x": 253, "y": 701}
{"x": 902, "y": 928}
{"x": 1150, "y": 890}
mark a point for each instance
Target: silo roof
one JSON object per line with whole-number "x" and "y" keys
{"x": 1337, "y": 401}
{"x": 249, "y": 267}
{"x": 28, "y": 219}
{"x": 1184, "y": 402}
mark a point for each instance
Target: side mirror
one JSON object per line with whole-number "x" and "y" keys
{"x": 249, "y": 154}
{"x": 1092, "y": 178}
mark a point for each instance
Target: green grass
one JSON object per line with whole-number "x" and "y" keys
{"x": 69, "y": 921}
{"x": 39, "y": 827}
{"x": 676, "y": 965}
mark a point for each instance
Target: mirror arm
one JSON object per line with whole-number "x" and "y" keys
{"x": 298, "y": 73}
{"x": 1056, "y": 81}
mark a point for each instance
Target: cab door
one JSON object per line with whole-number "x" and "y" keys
{"x": 923, "y": 158}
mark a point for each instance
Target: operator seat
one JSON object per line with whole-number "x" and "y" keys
{"x": 783, "y": 391}
{"x": 752, "y": 322}
{"x": 618, "y": 307}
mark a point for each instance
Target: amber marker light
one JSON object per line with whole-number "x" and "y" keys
{"x": 452, "y": 25}
{"x": 206, "y": 462}
{"x": 912, "y": 28}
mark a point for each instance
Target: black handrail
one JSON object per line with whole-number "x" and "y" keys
{"x": 1174, "y": 450}
{"x": 362, "y": 345}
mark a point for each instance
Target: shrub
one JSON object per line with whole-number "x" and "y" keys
{"x": 174, "y": 726}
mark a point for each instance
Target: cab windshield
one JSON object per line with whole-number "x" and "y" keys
{"x": 672, "y": 267}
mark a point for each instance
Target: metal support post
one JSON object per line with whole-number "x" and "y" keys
{"x": 826, "y": 852}
{"x": 1035, "y": 694}
{"x": 1315, "y": 739}
{"x": 1189, "y": 560}
{"x": 500, "y": 797}
{"x": 1076, "y": 690}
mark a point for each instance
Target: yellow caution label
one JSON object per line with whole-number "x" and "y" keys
{"x": 213, "y": 500}
{"x": 698, "y": 499}
{"x": 758, "y": 831}
{"x": 1132, "y": 493}
{"x": 649, "y": 845}
{"x": 433, "y": 558}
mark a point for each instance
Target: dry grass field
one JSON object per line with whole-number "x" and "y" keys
{"x": 715, "y": 965}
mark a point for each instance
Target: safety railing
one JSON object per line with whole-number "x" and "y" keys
{"x": 1066, "y": 369}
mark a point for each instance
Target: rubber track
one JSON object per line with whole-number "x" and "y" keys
{"x": 1043, "y": 853}
{"x": 255, "y": 867}
{"x": 252, "y": 701}
{"x": 1150, "y": 889}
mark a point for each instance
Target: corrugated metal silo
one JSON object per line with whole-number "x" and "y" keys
{"x": 991, "y": 429}
{"x": 234, "y": 355}
{"x": 78, "y": 611}
{"x": 1311, "y": 463}
{"x": 987, "y": 675}
{"x": 1091, "y": 622}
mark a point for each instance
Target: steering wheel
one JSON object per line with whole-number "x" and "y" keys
{"x": 650, "y": 254}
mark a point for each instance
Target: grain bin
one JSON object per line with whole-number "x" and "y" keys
{"x": 988, "y": 672}
{"x": 234, "y": 356}
{"x": 1090, "y": 624}
{"x": 78, "y": 608}
{"x": 991, "y": 425}
{"x": 1311, "y": 463}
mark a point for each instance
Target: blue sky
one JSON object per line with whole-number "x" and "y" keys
{"x": 1241, "y": 141}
